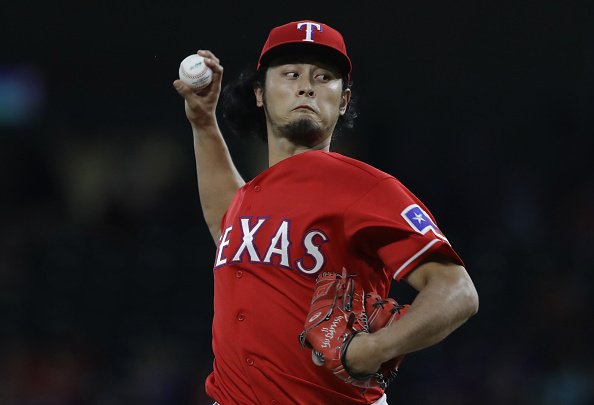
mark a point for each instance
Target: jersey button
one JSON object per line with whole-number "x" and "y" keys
{"x": 249, "y": 361}
{"x": 240, "y": 316}
{"x": 257, "y": 188}
{"x": 274, "y": 402}
{"x": 239, "y": 274}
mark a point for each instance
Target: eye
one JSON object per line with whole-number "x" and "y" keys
{"x": 324, "y": 77}
{"x": 292, "y": 75}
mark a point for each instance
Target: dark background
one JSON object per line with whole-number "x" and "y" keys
{"x": 484, "y": 109}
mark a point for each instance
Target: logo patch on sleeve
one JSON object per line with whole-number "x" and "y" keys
{"x": 418, "y": 219}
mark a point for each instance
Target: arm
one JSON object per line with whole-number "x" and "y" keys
{"x": 446, "y": 299}
{"x": 218, "y": 179}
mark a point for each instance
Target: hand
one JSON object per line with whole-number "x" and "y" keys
{"x": 361, "y": 356}
{"x": 201, "y": 106}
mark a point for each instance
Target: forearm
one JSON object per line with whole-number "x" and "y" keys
{"x": 218, "y": 178}
{"x": 441, "y": 307}
{"x": 446, "y": 299}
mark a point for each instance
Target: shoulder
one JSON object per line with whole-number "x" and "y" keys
{"x": 354, "y": 166}
{"x": 351, "y": 176}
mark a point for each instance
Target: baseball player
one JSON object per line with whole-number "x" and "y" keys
{"x": 312, "y": 213}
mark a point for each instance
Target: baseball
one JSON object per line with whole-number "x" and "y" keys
{"x": 194, "y": 72}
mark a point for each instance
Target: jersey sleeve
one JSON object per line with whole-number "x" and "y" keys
{"x": 390, "y": 224}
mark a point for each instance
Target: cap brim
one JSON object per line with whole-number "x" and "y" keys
{"x": 325, "y": 53}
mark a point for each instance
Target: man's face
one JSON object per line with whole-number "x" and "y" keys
{"x": 302, "y": 100}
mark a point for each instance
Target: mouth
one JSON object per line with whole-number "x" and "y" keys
{"x": 304, "y": 107}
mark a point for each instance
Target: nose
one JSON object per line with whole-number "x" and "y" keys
{"x": 305, "y": 88}
{"x": 307, "y": 93}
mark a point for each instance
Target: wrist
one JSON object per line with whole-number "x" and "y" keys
{"x": 363, "y": 357}
{"x": 384, "y": 345}
{"x": 376, "y": 351}
{"x": 204, "y": 127}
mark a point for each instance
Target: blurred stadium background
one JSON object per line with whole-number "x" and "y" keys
{"x": 484, "y": 109}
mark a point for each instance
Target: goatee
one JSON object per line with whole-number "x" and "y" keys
{"x": 304, "y": 132}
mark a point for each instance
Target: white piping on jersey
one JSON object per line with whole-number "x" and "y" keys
{"x": 416, "y": 255}
{"x": 381, "y": 401}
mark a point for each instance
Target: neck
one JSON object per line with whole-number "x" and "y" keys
{"x": 281, "y": 148}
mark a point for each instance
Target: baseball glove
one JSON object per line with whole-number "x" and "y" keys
{"x": 339, "y": 310}
{"x": 382, "y": 312}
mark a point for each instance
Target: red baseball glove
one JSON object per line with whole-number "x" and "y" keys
{"x": 337, "y": 313}
{"x": 382, "y": 312}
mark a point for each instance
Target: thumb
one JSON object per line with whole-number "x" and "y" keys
{"x": 183, "y": 89}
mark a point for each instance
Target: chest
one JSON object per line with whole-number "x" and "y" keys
{"x": 294, "y": 229}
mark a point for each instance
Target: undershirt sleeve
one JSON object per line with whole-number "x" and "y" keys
{"x": 390, "y": 224}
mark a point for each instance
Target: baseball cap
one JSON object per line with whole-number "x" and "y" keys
{"x": 309, "y": 37}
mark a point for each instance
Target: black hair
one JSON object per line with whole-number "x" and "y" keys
{"x": 244, "y": 118}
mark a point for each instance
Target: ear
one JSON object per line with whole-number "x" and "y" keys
{"x": 344, "y": 101}
{"x": 259, "y": 93}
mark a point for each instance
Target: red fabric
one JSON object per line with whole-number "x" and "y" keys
{"x": 303, "y": 32}
{"x": 375, "y": 227}
{"x": 313, "y": 212}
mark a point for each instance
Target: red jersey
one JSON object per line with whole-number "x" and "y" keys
{"x": 315, "y": 211}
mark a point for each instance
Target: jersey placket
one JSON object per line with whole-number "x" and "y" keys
{"x": 243, "y": 314}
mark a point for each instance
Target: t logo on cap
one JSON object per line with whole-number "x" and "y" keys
{"x": 309, "y": 31}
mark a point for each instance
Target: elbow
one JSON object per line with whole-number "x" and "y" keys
{"x": 215, "y": 232}
{"x": 470, "y": 300}
{"x": 467, "y": 294}
{"x": 474, "y": 305}
{"x": 464, "y": 294}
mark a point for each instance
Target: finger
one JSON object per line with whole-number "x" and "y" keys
{"x": 183, "y": 89}
{"x": 208, "y": 54}
{"x": 217, "y": 73}
{"x": 214, "y": 65}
